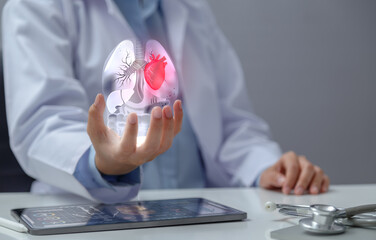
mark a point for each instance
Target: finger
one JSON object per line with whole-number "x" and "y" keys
{"x": 153, "y": 137}
{"x": 95, "y": 124}
{"x": 278, "y": 166}
{"x": 325, "y": 184}
{"x": 129, "y": 139}
{"x": 306, "y": 174}
{"x": 316, "y": 181}
{"x": 178, "y": 119}
{"x": 292, "y": 168}
{"x": 168, "y": 130}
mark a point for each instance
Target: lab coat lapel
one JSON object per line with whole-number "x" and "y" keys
{"x": 176, "y": 16}
{"x": 198, "y": 89}
{"x": 115, "y": 12}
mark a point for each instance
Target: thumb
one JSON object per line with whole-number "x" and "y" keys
{"x": 95, "y": 124}
{"x": 272, "y": 179}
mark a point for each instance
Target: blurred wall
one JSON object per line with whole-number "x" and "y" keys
{"x": 310, "y": 68}
{"x": 12, "y": 177}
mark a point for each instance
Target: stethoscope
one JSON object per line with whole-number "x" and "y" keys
{"x": 327, "y": 219}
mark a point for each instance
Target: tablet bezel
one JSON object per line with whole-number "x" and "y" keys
{"x": 236, "y": 215}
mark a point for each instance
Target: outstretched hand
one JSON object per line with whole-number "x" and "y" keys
{"x": 117, "y": 155}
{"x": 293, "y": 172}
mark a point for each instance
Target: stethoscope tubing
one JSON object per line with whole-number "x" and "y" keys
{"x": 352, "y": 211}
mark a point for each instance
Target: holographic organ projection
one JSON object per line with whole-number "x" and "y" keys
{"x": 137, "y": 78}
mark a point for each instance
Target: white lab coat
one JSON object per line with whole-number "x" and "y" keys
{"x": 54, "y": 52}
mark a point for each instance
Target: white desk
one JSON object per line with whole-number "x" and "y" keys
{"x": 258, "y": 225}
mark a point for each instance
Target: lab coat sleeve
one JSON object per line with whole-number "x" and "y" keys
{"x": 46, "y": 105}
{"x": 247, "y": 148}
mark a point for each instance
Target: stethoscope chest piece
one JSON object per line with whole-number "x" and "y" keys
{"x": 322, "y": 221}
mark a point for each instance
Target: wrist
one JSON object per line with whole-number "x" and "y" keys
{"x": 111, "y": 168}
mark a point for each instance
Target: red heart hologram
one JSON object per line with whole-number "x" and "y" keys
{"x": 155, "y": 71}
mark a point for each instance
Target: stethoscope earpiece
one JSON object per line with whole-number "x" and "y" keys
{"x": 270, "y": 206}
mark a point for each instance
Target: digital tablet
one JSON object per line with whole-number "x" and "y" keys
{"x": 142, "y": 214}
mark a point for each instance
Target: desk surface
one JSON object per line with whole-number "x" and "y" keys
{"x": 258, "y": 226}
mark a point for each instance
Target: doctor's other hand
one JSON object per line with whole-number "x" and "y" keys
{"x": 119, "y": 155}
{"x": 293, "y": 172}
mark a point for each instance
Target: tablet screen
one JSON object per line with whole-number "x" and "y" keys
{"x": 130, "y": 212}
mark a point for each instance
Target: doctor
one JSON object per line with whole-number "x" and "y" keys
{"x": 54, "y": 52}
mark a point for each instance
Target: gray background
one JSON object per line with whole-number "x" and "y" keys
{"x": 310, "y": 68}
